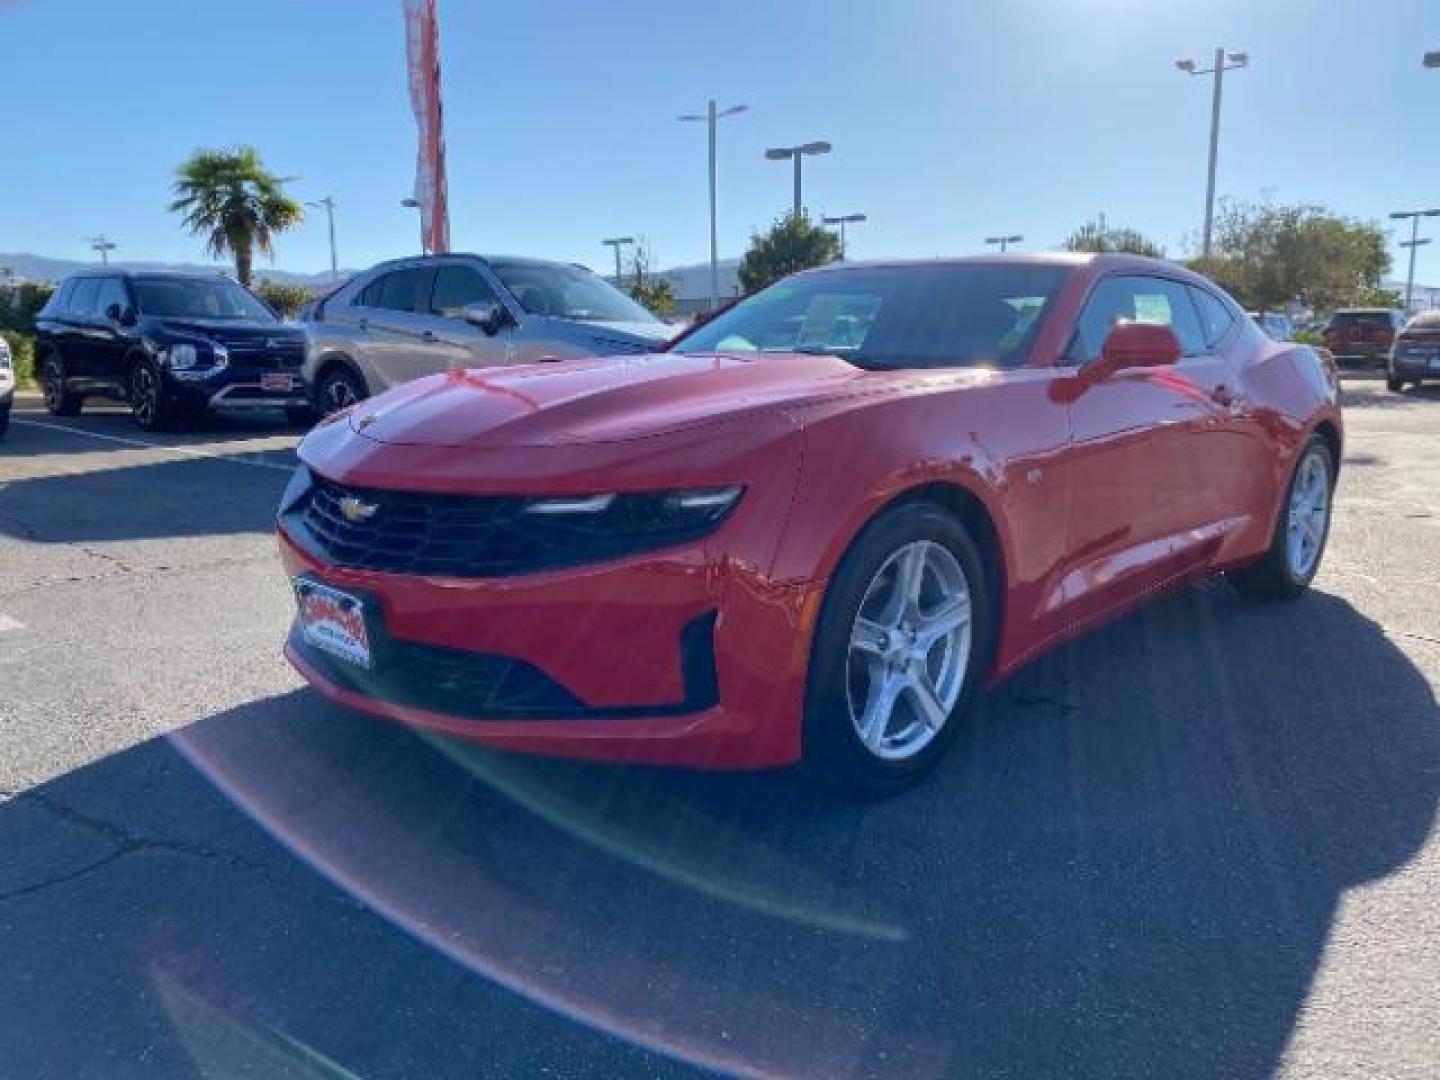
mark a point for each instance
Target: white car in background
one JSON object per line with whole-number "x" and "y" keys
{"x": 7, "y": 384}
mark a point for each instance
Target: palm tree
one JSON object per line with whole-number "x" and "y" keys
{"x": 230, "y": 198}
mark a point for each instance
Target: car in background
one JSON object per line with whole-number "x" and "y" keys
{"x": 7, "y": 384}
{"x": 418, "y": 316}
{"x": 1362, "y": 334}
{"x": 814, "y": 526}
{"x": 1278, "y": 326}
{"x": 173, "y": 346}
{"x": 1415, "y": 356}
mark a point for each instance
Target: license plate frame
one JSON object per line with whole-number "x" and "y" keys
{"x": 333, "y": 621}
{"x": 277, "y": 380}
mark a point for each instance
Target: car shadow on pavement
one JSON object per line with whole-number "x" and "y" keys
{"x": 1129, "y": 865}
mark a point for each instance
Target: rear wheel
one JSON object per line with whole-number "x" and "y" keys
{"x": 58, "y": 400}
{"x": 339, "y": 388}
{"x": 903, "y": 638}
{"x": 1287, "y": 569}
{"x": 1394, "y": 384}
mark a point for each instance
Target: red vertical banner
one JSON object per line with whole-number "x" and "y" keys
{"x": 422, "y": 52}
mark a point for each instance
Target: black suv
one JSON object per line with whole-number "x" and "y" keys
{"x": 171, "y": 345}
{"x": 1415, "y": 356}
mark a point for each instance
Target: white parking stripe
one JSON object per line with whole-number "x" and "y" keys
{"x": 7, "y": 624}
{"x": 183, "y": 451}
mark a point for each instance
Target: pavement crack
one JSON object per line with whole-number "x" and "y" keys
{"x": 123, "y": 841}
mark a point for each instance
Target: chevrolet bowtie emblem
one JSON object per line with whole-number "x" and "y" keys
{"x": 357, "y": 512}
{"x": 366, "y": 420}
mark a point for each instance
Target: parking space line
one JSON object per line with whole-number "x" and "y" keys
{"x": 183, "y": 451}
{"x": 7, "y": 624}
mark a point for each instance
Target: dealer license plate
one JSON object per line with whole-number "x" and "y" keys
{"x": 276, "y": 380}
{"x": 333, "y": 621}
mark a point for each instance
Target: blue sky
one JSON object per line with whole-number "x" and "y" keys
{"x": 951, "y": 120}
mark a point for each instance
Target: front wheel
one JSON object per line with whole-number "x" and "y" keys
{"x": 58, "y": 400}
{"x": 902, "y": 642}
{"x": 150, "y": 405}
{"x": 4, "y": 421}
{"x": 339, "y": 388}
{"x": 1301, "y": 532}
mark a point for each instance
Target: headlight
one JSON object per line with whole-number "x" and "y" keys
{"x": 5, "y": 361}
{"x": 219, "y": 355}
{"x": 620, "y": 514}
{"x": 179, "y": 357}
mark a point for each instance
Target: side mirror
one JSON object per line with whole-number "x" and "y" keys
{"x": 1139, "y": 344}
{"x": 491, "y": 318}
{"x": 120, "y": 313}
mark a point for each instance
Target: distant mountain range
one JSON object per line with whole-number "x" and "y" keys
{"x": 42, "y": 268}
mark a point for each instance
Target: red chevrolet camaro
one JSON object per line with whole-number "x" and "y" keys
{"x": 815, "y": 526}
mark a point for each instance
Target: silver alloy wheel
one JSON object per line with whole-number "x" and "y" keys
{"x": 144, "y": 394}
{"x": 909, "y": 648}
{"x": 339, "y": 394}
{"x": 1308, "y": 514}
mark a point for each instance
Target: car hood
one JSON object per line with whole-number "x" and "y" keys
{"x": 626, "y": 336}
{"x": 230, "y": 331}
{"x": 582, "y": 401}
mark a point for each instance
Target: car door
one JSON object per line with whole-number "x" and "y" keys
{"x": 392, "y": 332}
{"x": 109, "y": 342}
{"x": 77, "y": 341}
{"x": 462, "y": 344}
{"x": 1138, "y": 512}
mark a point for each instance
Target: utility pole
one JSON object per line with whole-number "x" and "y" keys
{"x": 1223, "y": 62}
{"x": 104, "y": 245}
{"x": 328, "y": 202}
{"x": 1414, "y": 242}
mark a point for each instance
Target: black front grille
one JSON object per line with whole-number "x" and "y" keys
{"x": 410, "y": 532}
{"x": 420, "y": 533}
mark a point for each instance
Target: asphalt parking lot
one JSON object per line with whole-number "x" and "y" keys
{"x": 1200, "y": 842}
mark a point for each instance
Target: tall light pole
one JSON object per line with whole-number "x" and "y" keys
{"x": 413, "y": 204}
{"x": 104, "y": 245}
{"x": 1223, "y": 62}
{"x": 617, "y": 243}
{"x": 710, "y": 117}
{"x": 848, "y": 219}
{"x": 1004, "y": 242}
{"x": 328, "y": 202}
{"x": 1414, "y": 242}
{"x": 795, "y": 153}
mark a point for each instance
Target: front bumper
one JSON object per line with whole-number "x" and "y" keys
{"x": 238, "y": 388}
{"x": 676, "y": 657}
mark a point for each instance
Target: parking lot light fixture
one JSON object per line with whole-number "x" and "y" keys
{"x": 1414, "y": 242}
{"x": 1004, "y": 242}
{"x": 413, "y": 204}
{"x": 328, "y": 202}
{"x": 710, "y": 117}
{"x": 842, "y": 221}
{"x": 617, "y": 242}
{"x": 1432, "y": 59}
{"x": 1224, "y": 61}
{"x": 795, "y": 153}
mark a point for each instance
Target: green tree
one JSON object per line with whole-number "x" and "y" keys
{"x": 1372, "y": 297}
{"x": 19, "y": 304}
{"x": 655, "y": 294}
{"x": 1269, "y": 256}
{"x": 286, "y": 299}
{"x": 1095, "y": 236}
{"x": 230, "y": 198}
{"x": 793, "y": 243}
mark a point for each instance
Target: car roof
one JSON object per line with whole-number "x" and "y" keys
{"x": 1096, "y": 262}
{"x": 1365, "y": 311}
{"x": 530, "y": 260}
{"x": 170, "y": 275}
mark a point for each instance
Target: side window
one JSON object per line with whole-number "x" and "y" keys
{"x": 111, "y": 291}
{"x": 403, "y": 290}
{"x": 1215, "y": 317}
{"x": 1136, "y": 299}
{"x": 82, "y": 300}
{"x": 456, "y": 287}
{"x": 370, "y": 295}
{"x": 60, "y": 302}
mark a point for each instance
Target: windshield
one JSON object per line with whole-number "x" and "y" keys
{"x": 199, "y": 298}
{"x": 893, "y": 317}
{"x": 568, "y": 292}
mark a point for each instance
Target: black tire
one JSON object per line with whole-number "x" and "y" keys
{"x": 58, "y": 400}
{"x": 339, "y": 388}
{"x": 4, "y": 421}
{"x": 150, "y": 405}
{"x": 1394, "y": 384}
{"x": 1274, "y": 576}
{"x": 834, "y": 752}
